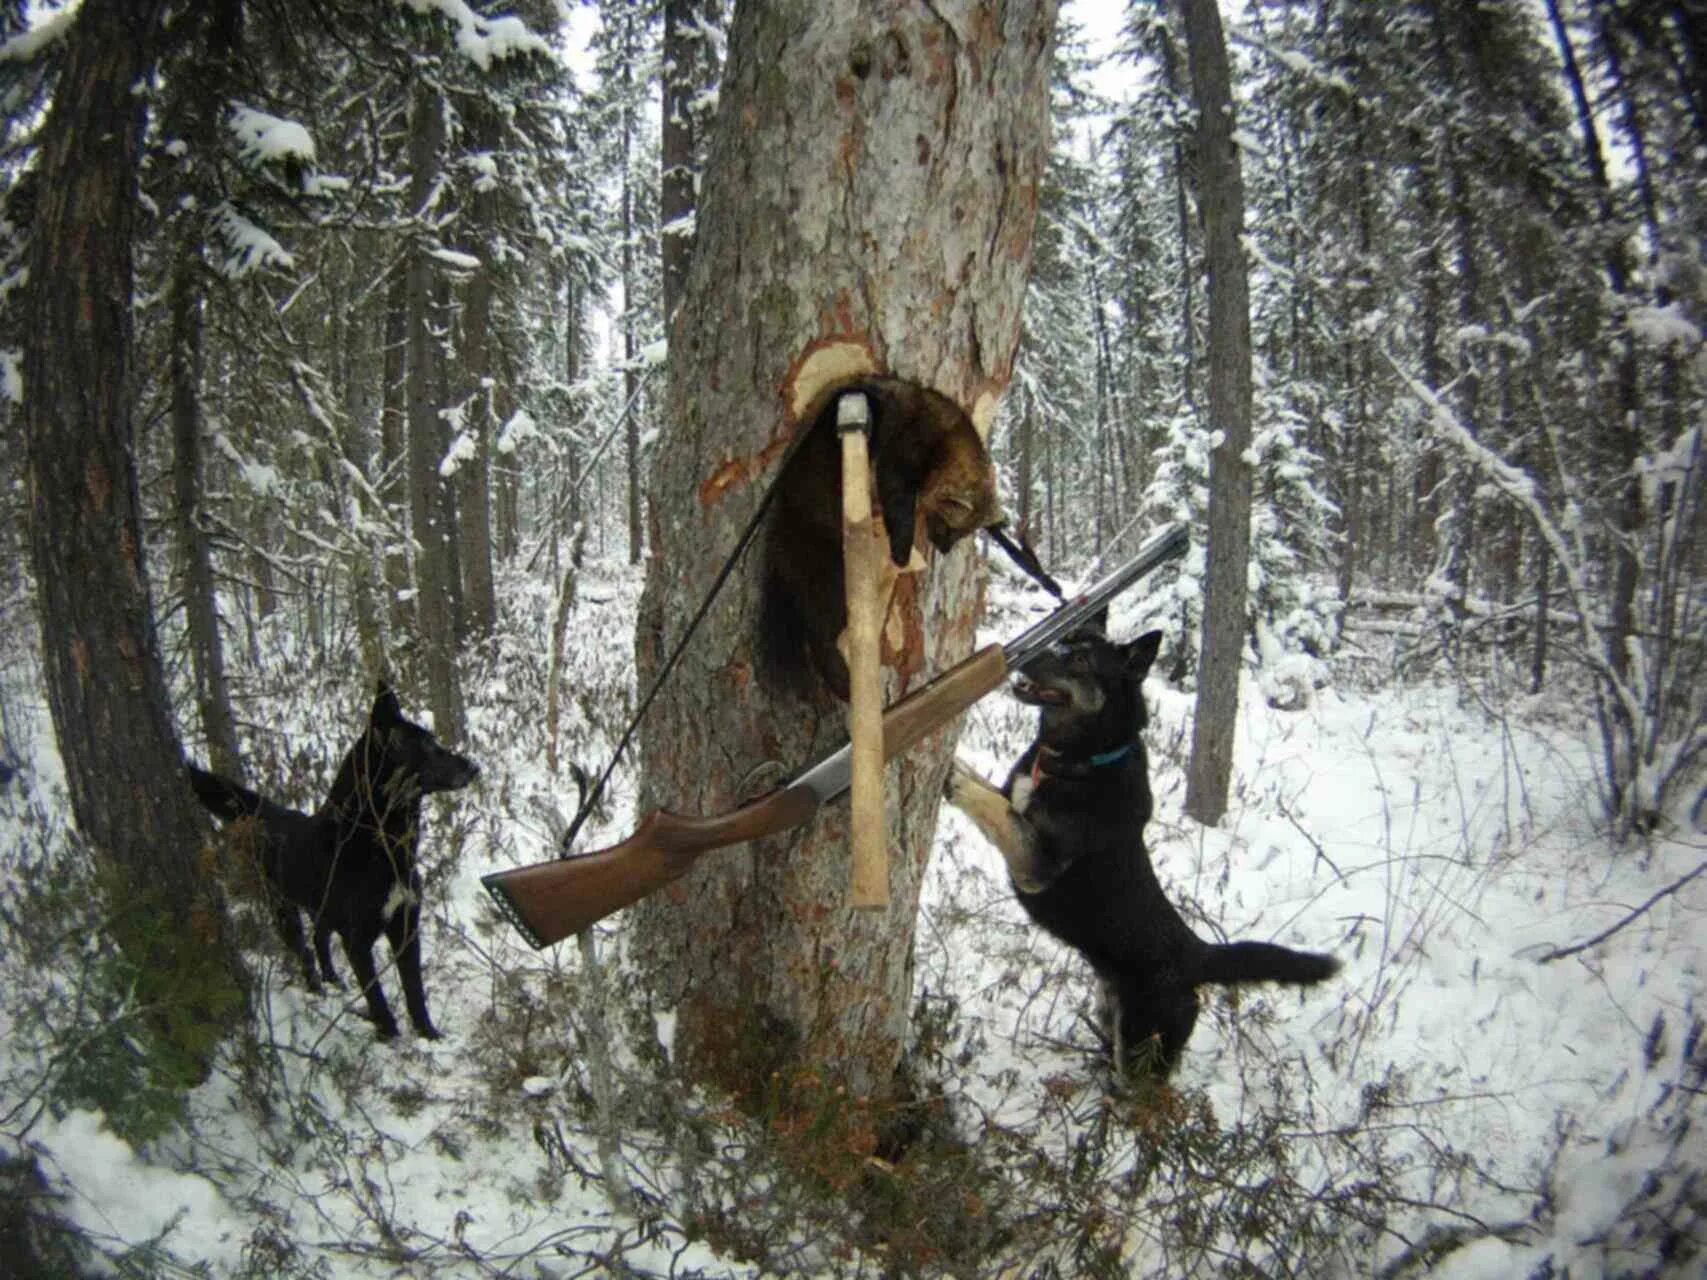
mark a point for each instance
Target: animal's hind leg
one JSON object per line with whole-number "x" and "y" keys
{"x": 289, "y": 921}
{"x": 323, "y": 951}
{"x": 1152, "y": 1023}
{"x": 360, "y": 953}
{"x": 403, "y": 928}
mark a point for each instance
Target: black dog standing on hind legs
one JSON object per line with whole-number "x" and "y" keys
{"x": 1069, "y": 822}
{"x": 351, "y": 864}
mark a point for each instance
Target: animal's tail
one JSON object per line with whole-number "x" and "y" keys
{"x": 228, "y": 800}
{"x": 1264, "y": 962}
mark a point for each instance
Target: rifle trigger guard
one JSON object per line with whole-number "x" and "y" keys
{"x": 758, "y": 782}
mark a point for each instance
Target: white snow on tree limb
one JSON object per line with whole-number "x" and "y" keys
{"x": 1651, "y": 760}
{"x": 455, "y": 259}
{"x": 1665, "y": 327}
{"x": 247, "y": 247}
{"x": 484, "y": 41}
{"x": 264, "y": 139}
{"x": 461, "y": 450}
{"x": 24, "y": 46}
{"x": 516, "y": 432}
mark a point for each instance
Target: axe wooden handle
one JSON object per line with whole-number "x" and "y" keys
{"x": 862, "y": 549}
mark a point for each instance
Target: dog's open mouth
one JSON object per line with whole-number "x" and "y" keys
{"x": 1036, "y": 694}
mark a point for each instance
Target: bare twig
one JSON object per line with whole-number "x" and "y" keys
{"x": 1559, "y": 953}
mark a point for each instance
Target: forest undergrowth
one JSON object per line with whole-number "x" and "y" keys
{"x": 1460, "y": 1101}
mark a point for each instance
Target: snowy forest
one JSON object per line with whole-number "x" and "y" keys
{"x": 449, "y": 346}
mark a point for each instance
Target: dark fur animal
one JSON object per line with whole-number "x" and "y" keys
{"x": 930, "y": 469}
{"x": 351, "y": 864}
{"x": 1070, "y": 823}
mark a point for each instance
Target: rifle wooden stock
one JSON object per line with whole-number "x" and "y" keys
{"x": 551, "y": 900}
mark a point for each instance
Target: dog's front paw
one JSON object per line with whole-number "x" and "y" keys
{"x": 963, "y": 784}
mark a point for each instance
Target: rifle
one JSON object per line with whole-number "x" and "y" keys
{"x": 548, "y": 901}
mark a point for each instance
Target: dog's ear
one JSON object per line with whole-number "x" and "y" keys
{"x": 1141, "y": 653}
{"x": 386, "y": 710}
{"x": 1096, "y": 625}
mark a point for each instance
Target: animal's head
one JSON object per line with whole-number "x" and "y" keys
{"x": 1088, "y": 689}
{"x": 411, "y": 751}
{"x": 959, "y": 495}
{"x": 932, "y": 469}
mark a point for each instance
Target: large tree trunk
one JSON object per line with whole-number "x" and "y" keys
{"x": 868, "y": 205}
{"x": 106, "y": 689}
{"x": 1222, "y": 195}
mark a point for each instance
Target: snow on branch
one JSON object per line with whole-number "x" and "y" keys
{"x": 27, "y": 45}
{"x": 247, "y": 247}
{"x": 484, "y": 41}
{"x": 264, "y": 139}
{"x": 1652, "y": 763}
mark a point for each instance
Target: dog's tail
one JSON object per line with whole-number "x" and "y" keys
{"x": 228, "y": 800}
{"x": 1264, "y": 962}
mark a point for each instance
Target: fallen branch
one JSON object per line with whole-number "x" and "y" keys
{"x": 1559, "y": 953}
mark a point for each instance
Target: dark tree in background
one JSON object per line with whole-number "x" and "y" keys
{"x": 100, "y": 654}
{"x": 431, "y": 499}
{"x": 690, "y": 69}
{"x": 1222, "y": 201}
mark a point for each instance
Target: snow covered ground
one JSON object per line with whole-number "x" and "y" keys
{"x": 1455, "y": 1097}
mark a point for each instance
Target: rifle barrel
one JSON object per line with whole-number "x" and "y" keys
{"x": 1166, "y": 545}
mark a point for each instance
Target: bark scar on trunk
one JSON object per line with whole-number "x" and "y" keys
{"x": 824, "y": 363}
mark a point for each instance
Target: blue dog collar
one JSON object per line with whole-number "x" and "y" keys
{"x": 1101, "y": 758}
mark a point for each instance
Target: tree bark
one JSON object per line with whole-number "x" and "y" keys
{"x": 630, "y": 309}
{"x": 473, "y": 474}
{"x": 868, "y": 205}
{"x": 1169, "y": 60}
{"x": 1222, "y": 198}
{"x": 434, "y": 533}
{"x": 393, "y": 448}
{"x": 201, "y": 608}
{"x": 689, "y": 70}
{"x": 100, "y": 655}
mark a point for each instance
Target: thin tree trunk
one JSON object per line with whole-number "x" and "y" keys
{"x": 201, "y": 608}
{"x": 689, "y": 71}
{"x": 473, "y": 488}
{"x": 1228, "y": 553}
{"x": 362, "y": 361}
{"x": 1425, "y": 495}
{"x": 393, "y": 449}
{"x": 630, "y": 310}
{"x": 1621, "y": 442}
{"x": 435, "y": 566}
{"x": 1027, "y": 463}
{"x": 1182, "y": 218}
{"x": 890, "y": 169}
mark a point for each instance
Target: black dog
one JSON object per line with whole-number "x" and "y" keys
{"x": 351, "y": 865}
{"x": 1070, "y": 824}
